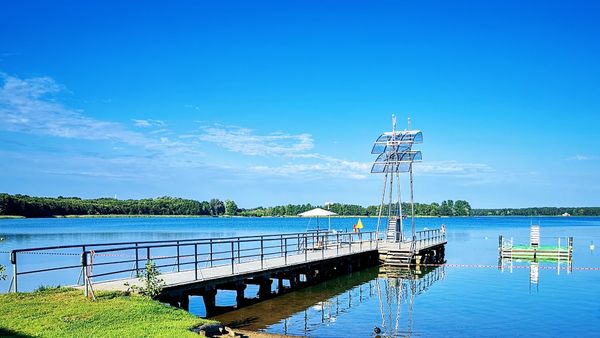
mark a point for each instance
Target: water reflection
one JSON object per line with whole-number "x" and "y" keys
{"x": 397, "y": 288}
{"x": 508, "y": 265}
{"x": 318, "y": 308}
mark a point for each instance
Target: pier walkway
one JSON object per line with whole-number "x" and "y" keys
{"x": 201, "y": 267}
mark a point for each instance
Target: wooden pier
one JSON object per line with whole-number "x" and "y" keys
{"x": 201, "y": 267}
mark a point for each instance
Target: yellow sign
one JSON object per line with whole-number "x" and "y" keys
{"x": 359, "y": 224}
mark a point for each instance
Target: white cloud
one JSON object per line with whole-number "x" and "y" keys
{"x": 245, "y": 141}
{"x": 581, "y": 158}
{"x": 28, "y": 105}
{"x": 325, "y": 167}
{"x": 453, "y": 168}
{"x": 148, "y": 123}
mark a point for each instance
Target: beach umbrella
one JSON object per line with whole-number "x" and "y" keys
{"x": 316, "y": 213}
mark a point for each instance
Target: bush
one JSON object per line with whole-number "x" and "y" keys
{"x": 151, "y": 284}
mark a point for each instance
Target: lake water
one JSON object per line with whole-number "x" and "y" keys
{"x": 454, "y": 300}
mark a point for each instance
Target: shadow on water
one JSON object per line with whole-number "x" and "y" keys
{"x": 321, "y": 305}
{"x": 263, "y": 314}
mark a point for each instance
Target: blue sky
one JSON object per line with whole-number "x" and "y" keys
{"x": 279, "y": 102}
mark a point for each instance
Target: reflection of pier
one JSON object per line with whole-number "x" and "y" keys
{"x": 328, "y": 299}
{"x": 401, "y": 286}
{"x": 507, "y": 264}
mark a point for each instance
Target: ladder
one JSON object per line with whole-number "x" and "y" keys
{"x": 393, "y": 229}
{"x": 399, "y": 257}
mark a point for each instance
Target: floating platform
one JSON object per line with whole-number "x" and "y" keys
{"x": 544, "y": 252}
{"x": 536, "y": 252}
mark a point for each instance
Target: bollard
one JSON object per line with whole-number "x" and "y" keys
{"x": 13, "y": 261}
{"x": 86, "y": 288}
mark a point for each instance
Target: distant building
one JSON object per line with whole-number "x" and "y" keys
{"x": 566, "y": 214}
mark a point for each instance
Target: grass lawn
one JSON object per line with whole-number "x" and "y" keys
{"x": 64, "y": 312}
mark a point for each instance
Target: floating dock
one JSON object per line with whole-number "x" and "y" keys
{"x": 534, "y": 251}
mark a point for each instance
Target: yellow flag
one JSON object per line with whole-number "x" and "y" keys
{"x": 359, "y": 224}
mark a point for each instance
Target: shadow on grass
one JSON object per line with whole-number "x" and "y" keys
{"x": 9, "y": 333}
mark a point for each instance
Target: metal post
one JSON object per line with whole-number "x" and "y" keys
{"x": 238, "y": 250}
{"x": 137, "y": 260}
{"x": 196, "y": 261}
{"x": 211, "y": 252}
{"x": 381, "y": 205}
{"x": 305, "y": 247}
{"x": 337, "y": 239}
{"x": 85, "y": 274}
{"x": 360, "y": 239}
{"x": 350, "y": 240}
{"x": 281, "y": 245}
{"x": 285, "y": 255}
{"x": 262, "y": 252}
{"x": 178, "y": 256}
{"x": 412, "y": 202}
{"x": 232, "y": 259}
{"x": 148, "y": 253}
{"x": 13, "y": 261}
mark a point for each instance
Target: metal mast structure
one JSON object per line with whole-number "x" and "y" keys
{"x": 395, "y": 156}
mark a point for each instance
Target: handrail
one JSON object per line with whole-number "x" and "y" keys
{"x": 220, "y": 251}
{"x": 157, "y": 241}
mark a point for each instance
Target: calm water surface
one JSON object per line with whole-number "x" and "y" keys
{"x": 448, "y": 301}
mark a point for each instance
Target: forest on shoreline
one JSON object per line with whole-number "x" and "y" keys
{"x": 28, "y": 206}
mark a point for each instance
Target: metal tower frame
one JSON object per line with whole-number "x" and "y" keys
{"x": 396, "y": 156}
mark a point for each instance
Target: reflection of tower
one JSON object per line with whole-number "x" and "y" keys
{"x": 395, "y": 156}
{"x": 398, "y": 286}
{"x": 534, "y": 275}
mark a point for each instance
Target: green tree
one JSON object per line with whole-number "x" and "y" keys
{"x": 462, "y": 208}
{"x": 446, "y": 208}
{"x": 231, "y": 208}
{"x": 217, "y": 207}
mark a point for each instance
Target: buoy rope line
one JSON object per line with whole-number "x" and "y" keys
{"x": 91, "y": 251}
{"x": 475, "y": 266}
{"x": 492, "y": 266}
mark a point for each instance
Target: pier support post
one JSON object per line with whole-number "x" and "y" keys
{"x": 295, "y": 280}
{"x": 239, "y": 298}
{"x": 264, "y": 288}
{"x": 209, "y": 296}
{"x": 280, "y": 287}
{"x": 184, "y": 302}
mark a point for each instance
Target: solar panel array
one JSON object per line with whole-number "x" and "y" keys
{"x": 395, "y": 151}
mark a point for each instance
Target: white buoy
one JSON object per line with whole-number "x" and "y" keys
{"x": 592, "y": 247}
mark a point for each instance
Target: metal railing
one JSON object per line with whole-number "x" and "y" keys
{"x": 427, "y": 238}
{"x": 127, "y": 259}
{"x": 422, "y": 239}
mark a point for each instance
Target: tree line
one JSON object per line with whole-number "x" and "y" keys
{"x": 538, "y": 211}
{"x": 28, "y": 206}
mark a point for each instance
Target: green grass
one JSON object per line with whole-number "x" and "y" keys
{"x": 64, "y": 312}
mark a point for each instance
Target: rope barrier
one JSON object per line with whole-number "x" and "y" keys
{"x": 484, "y": 266}
{"x": 474, "y": 266}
